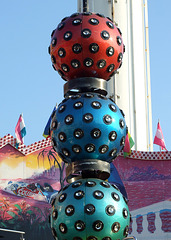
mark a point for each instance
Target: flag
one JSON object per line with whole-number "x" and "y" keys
{"x": 159, "y": 139}
{"x": 46, "y": 132}
{"x": 20, "y": 131}
{"x": 129, "y": 143}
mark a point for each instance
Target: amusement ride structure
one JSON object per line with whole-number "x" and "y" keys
{"x": 79, "y": 173}
{"x": 88, "y": 129}
{"x": 130, "y": 87}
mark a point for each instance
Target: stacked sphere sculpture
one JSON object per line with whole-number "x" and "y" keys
{"x": 88, "y": 130}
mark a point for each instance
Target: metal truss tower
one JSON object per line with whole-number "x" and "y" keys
{"x": 130, "y": 87}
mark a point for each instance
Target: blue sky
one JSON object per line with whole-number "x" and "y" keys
{"x": 29, "y": 85}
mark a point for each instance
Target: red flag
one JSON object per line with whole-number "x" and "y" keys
{"x": 127, "y": 145}
{"x": 20, "y": 130}
{"x": 159, "y": 139}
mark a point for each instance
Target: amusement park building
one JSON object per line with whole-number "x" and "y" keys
{"x": 24, "y": 205}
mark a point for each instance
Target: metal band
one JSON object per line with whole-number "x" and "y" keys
{"x": 87, "y": 168}
{"x": 87, "y": 84}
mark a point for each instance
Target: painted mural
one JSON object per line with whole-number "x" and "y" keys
{"x": 28, "y": 183}
{"x": 147, "y": 179}
{"x": 31, "y": 176}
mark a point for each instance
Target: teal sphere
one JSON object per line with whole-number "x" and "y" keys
{"x": 90, "y": 209}
{"x": 88, "y": 126}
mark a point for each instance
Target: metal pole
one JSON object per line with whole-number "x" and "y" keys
{"x": 148, "y": 78}
{"x": 113, "y": 10}
{"x": 13, "y": 231}
{"x": 132, "y": 70}
{"x": 85, "y": 5}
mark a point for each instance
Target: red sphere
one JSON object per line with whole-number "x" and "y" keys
{"x": 86, "y": 45}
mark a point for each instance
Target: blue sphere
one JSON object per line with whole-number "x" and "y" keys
{"x": 88, "y": 126}
{"x": 90, "y": 209}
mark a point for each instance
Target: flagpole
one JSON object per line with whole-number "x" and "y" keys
{"x": 159, "y": 146}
